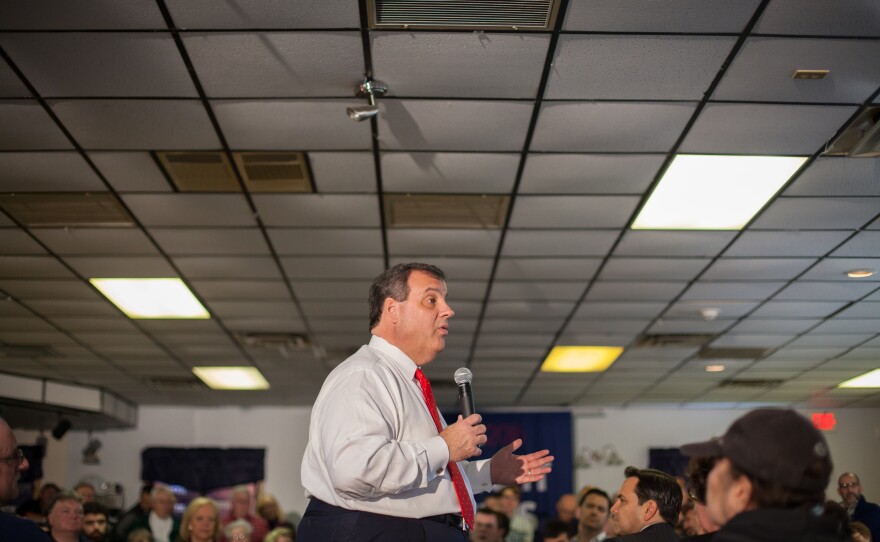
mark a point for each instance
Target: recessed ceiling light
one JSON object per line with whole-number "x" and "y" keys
{"x": 702, "y": 192}
{"x": 861, "y": 273}
{"x": 715, "y": 368}
{"x": 152, "y": 298}
{"x": 232, "y": 378}
{"x": 867, "y": 380}
{"x": 580, "y": 359}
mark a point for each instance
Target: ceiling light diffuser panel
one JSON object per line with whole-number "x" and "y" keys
{"x": 580, "y": 359}
{"x": 710, "y": 192}
{"x": 158, "y": 298}
{"x": 867, "y": 380}
{"x": 232, "y": 378}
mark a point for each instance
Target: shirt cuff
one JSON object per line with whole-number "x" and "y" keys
{"x": 480, "y": 475}
{"x": 438, "y": 456}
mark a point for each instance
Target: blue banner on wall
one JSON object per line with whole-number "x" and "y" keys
{"x": 539, "y": 430}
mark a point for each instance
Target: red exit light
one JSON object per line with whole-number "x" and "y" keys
{"x": 824, "y": 421}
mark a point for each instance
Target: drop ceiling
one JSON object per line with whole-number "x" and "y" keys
{"x": 574, "y": 125}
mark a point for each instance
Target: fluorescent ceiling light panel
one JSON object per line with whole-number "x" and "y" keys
{"x": 703, "y": 192}
{"x": 867, "y": 380}
{"x": 232, "y": 378}
{"x": 152, "y": 298}
{"x": 580, "y": 359}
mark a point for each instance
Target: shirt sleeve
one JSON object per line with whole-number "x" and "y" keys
{"x": 366, "y": 450}
{"x": 479, "y": 474}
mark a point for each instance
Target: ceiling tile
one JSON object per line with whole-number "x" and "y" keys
{"x": 486, "y": 173}
{"x": 453, "y": 125}
{"x": 24, "y": 125}
{"x": 529, "y": 309}
{"x": 455, "y": 268}
{"x": 227, "y": 267}
{"x": 688, "y": 327}
{"x": 710, "y": 16}
{"x": 825, "y": 291}
{"x": 14, "y": 241}
{"x": 588, "y": 173}
{"x": 815, "y": 17}
{"x": 862, "y": 309}
{"x": 762, "y": 71}
{"x": 796, "y": 309}
{"x": 635, "y": 67}
{"x": 63, "y": 15}
{"x": 360, "y": 267}
{"x": 653, "y": 268}
{"x": 10, "y": 85}
{"x": 276, "y": 64}
{"x": 647, "y": 291}
{"x": 764, "y": 129}
{"x": 190, "y": 209}
{"x": 94, "y": 241}
{"x": 572, "y": 211}
{"x": 610, "y": 127}
{"x": 597, "y": 310}
{"x": 544, "y": 269}
{"x": 557, "y": 243}
{"x": 213, "y": 241}
{"x": 101, "y": 64}
{"x": 836, "y": 269}
{"x": 343, "y": 171}
{"x": 338, "y": 210}
{"x": 291, "y": 125}
{"x": 48, "y": 289}
{"x": 727, "y": 310}
{"x": 773, "y": 325}
{"x": 449, "y": 242}
{"x": 32, "y": 267}
{"x": 673, "y": 243}
{"x": 756, "y": 268}
{"x": 785, "y": 243}
{"x": 864, "y": 244}
{"x": 255, "y": 309}
{"x": 131, "y": 171}
{"x": 239, "y": 289}
{"x": 47, "y": 171}
{"x": 731, "y": 290}
{"x": 70, "y": 307}
{"x": 137, "y": 124}
{"x": 577, "y": 328}
{"x": 264, "y": 14}
{"x": 534, "y": 290}
{"x": 838, "y": 176}
{"x": 473, "y": 65}
{"x": 116, "y": 266}
{"x": 827, "y": 213}
{"x": 306, "y": 242}
{"x": 325, "y": 289}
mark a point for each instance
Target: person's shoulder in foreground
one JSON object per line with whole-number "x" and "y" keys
{"x": 16, "y": 529}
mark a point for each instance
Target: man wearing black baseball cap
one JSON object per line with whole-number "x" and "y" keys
{"x": 769, "y": 479}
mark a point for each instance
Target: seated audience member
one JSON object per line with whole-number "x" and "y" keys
{"x": 555, "y": 531}
{"x": 239, "y": 530}
{"x": 133, "y": 515}
{"x": 12, "y": 464}
{"x": 162, "y": 525}
{"x": 850, "y": 489}
{"x": 860, "y": 532}
{"x": 201, "y": 521}
{"x": 566, "y": 505}
{"x": 647, "y": 507}
{"x": 240, "y": 508}
{"x": 489, "y": 526}
{"x": 592, "y": 514}
{"x": 86, "y": 492}
{"x": 689, "y": 526}
{"x": 521, "y": 527}
{"x": 698, "y": 470}
{"x": 94, "y": 525}
{"x": 65, "y": 517}
{"x": 269, "y": 510}
{"x": 281, "y": 534}
{"x": 492, "y": 501}
{"x": 768, "y": 483}
{"x": 37, "y": 508}
{"x": 139, "y": 535}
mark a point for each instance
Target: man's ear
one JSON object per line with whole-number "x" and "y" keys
{"x": 649, "y": 510}
{"x": 741, "y": 492}
{"x": 389, "y": 308}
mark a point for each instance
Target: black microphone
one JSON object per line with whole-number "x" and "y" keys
{"x": 463, "y": 377}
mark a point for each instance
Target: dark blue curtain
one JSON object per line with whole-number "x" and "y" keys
{"x": 203, "y": 469}
{"x": 669, "y": 460}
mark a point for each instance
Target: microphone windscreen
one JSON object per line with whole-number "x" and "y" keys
{"x": 463, "y": 375}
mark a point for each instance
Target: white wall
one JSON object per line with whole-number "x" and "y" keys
{"x": 283, "y": 431}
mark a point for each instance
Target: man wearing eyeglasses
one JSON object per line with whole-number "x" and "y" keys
{"x": 12, "y": 464}
{"x": 850, "y": 489}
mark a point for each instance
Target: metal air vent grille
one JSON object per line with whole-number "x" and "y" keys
{"x": 274, "y": 171}
{"x": 732, "y": 353}
{"x": 60, "y": 209}
{"x": 445, "y": 211}
{"x": 463, "y": 14}
{"x": 199, "y": 171}
{"x": 673, "y": 340}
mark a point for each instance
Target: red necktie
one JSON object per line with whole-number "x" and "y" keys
{"x": 461, "y": 490}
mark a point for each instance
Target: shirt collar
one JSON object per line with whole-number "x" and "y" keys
{"x": 401, "y": 361}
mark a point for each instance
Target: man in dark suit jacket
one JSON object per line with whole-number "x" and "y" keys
{"x": 646, "y": 508}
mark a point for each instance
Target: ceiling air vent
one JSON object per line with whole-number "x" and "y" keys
{"x": 199, "y": 171}
{"x": 59, "y": 209}
{"x": 535, "y": 15}
{"x": 861, "y": 139}
{"x": 673, "y": 341}
{"x": 445, "y": 211}
{"x": 732, "y": 353}
{"x": 174, "y": 383}
{"x": 274, "y": 171}
{"x": 28, "y": 351}
{"x": 755, "y": 383}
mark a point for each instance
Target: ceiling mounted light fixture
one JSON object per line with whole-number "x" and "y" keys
{"x": 860, "y": 273}
{"x": 367, "y": 89}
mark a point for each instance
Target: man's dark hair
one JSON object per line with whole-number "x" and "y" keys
{"x": 698, "y": 470}
{"x": 503, "y": 521}
{"x": 595, "y": 491}
{"x": 147, "y": 488}
{"x": 657, "y": 486}
{"x": 768, "y": 494}
{"x": 95, "y": 509}
{"x": 393, "y": 283}
{"x": 554, "y": 528}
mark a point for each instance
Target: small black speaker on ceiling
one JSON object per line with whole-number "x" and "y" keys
{"x": 61, "y": 428}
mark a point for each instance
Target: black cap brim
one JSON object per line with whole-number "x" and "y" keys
{"x": 710, "y": 448}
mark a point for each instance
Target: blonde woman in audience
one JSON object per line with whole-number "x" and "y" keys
{"x": 280, "y": 534}
{"x": 140, "y": 535}
{"x": 860, "y": 532}
{"x": 201, "y": 521}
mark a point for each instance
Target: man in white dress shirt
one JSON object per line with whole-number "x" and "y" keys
{"x": 376, "y": 468}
